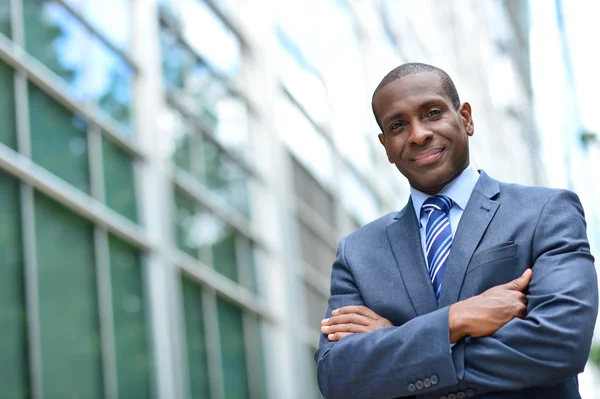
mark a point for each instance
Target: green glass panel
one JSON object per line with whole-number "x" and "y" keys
{"x": 131, "y": 339}
{"x": 68, "y": 304}
{"x": 181, "y": 157}
{"x": 119, "y": 180}
{"x": 257, "y": 366}
{"x": 226, "y": 179}
{"x": 13, "y": 334}
{"x": 225, "y": 254}
{"x": 233, "y": 352}
{"x": 185, "y": 224}
{"x": 58, "y": 139}
{"x": 93, "y": 71}
{"x": 8, "y": 132}
{"x": 195, "y": 338}
{"x": 5, "y": 26}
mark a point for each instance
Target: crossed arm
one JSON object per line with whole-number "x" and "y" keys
{"x": 547, "y": 345}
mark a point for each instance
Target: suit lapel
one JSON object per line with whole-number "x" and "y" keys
{"x": 403, "y": 234}
{"x": 474, "y": 222}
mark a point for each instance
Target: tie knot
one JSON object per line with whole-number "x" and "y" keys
{"x": 437, "y": 202}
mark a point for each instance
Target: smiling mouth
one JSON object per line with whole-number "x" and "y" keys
{"x": 428, "y": 157}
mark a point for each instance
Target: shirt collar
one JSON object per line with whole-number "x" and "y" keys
{"x": 458, "y": 190}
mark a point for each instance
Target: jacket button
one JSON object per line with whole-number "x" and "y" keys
{"x": 426, "y": 382}
{"x": 452, "y": 396}
{"x": 419, "y": 384}
{"x": 460, "y": 395}
{"x": 469, "y": 393}
{"x": 443, "y": 397}
{"x": 434, "y": 379}
{"x": 411, "y": 387}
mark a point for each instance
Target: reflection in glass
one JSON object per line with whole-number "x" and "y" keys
{"x": 8, "y": 132}
{"x": 58, "y": 139}
{"x": 210, "y": 37}
{"x": 226, "y": 179}
{"x": 111, "y": 17}
{"x": 68, "y": 306}
{"x": 195, "y": 339}
{"x": 233, "y": 352}
{"x": 94, "y": 73}
{"x": 224, "y": 254}
{"x": 5, "y": 25}
{"x": 204, "y": 94}
{"x": 13, "y": 334}
{"x": 119, "y": 180}
{"x": 185, "y": 223}
{"x": 305, "y": 141}
{"x": 131, "y": 343}
{"x": 178, "y": 141}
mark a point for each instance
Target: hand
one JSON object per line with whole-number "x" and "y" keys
{"x": 350, "y": 320}
{"x": 484, "y": 314}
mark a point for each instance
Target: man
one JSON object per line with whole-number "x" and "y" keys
{"x": 476, "y": 288}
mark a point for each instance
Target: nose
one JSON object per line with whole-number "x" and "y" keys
{"x": 419, "y": 134}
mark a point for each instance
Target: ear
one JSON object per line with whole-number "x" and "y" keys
{"x": 466, "y": 117}
{"x": 382, "y": 140}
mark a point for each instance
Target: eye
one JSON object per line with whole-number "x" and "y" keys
{"x": 434, "y": 112}
{"x": 398, "y": 125}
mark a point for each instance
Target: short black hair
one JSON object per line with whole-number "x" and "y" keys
{"x": 413, "y": 68}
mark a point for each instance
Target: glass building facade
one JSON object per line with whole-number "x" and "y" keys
{"x": 175, "y": 176}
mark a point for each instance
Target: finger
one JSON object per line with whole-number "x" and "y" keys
{"x": 347, "y": 318}
{"x": 352, "y": 328}
{"x": 519, "y": 284}
{"x": 361, "y": 310}
{"x": 338, "y": 336}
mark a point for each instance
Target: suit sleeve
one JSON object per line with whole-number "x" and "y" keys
{"x": 552, "y": 343}
{"x": 414, "y": 358}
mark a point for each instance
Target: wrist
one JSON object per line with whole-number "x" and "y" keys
{"x": 456, "y": 323}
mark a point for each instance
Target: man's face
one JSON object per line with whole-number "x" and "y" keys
{"x": 423, "y": 135}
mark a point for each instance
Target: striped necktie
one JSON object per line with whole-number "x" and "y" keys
{"x": 438, "y": 237}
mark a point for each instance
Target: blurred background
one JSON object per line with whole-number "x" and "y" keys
{"x": 175, "y": 175}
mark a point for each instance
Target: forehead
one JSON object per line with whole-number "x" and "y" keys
{"x": 410, "y": 91}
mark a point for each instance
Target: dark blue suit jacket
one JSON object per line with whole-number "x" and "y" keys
{"x": 504, "y": 230}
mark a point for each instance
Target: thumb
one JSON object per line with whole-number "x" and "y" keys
{"x": 520, "y": 283}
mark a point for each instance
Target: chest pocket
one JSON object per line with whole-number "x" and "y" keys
{"x": 492, "y": 266}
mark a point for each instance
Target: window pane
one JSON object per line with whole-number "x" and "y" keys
{"x": 58, "y": 139}
{"x": 233, "y": 355}
{"x": 196, "y": 345}
{"x": 186, "y": 224}
{"x": 131, "y": 339}
{"x": 315, "y": 250}
{"x": 203, "y": 93}
{"x": 210, "y": 37}
{"x": 70, "y": 339}
{"x": 257, "y": 367}
{"x": 93, "y": 71}
{"x": 226, "y": 179}
{"x": 179, "y": 140}
{"x": 316, "y": 305}
{"x": 13, "y": 334}
{"x": 119, "y": 180}
{"x": 224, "y": 254}
{"x": 312, "y": 193}
{"x": 8, "y": 133}
{"x": 247, "y": 261}
{"x": 5, "y": 25}
{"x": 117, "y": 27}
